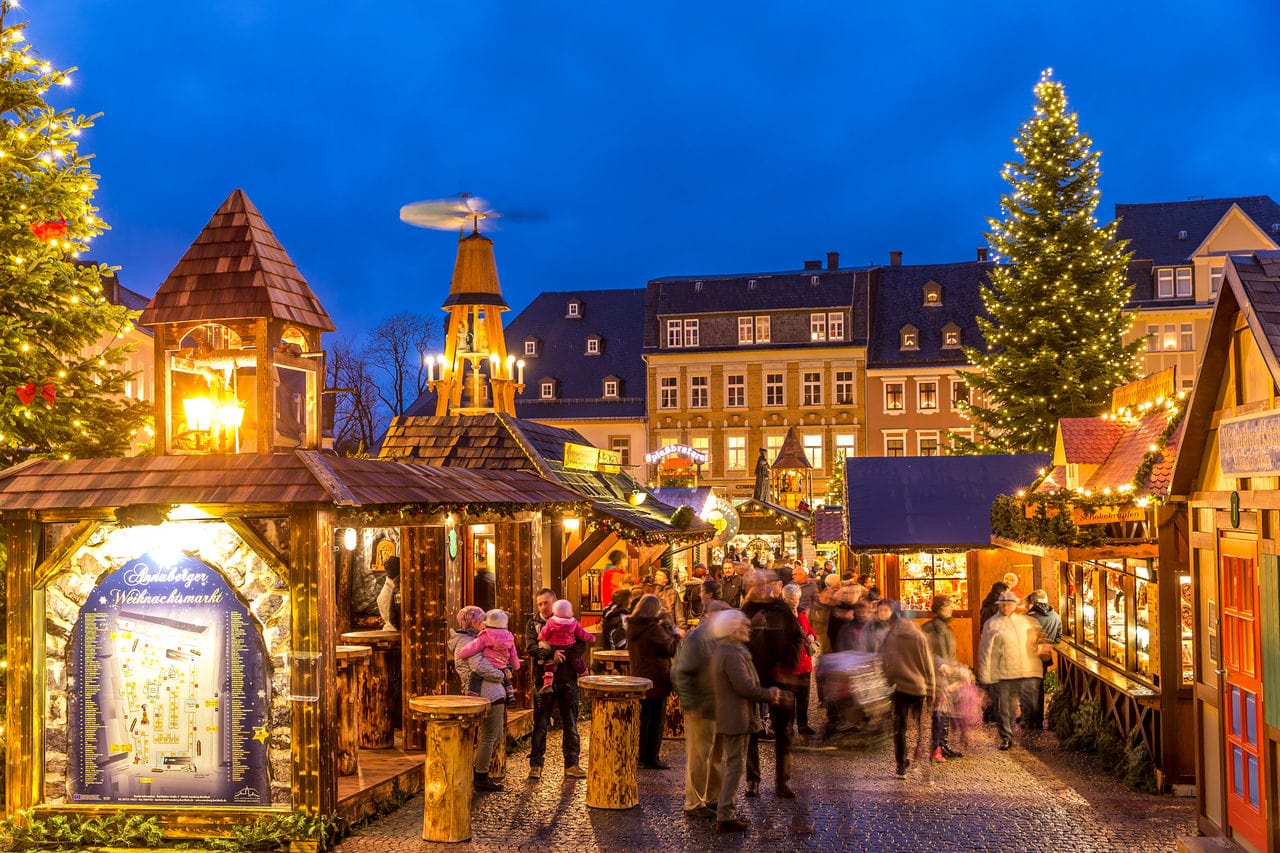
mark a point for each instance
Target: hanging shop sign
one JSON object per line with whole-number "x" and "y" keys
{"x": 584, "y": 457}
{"x": 1250, "y": 446}
{"x": 683, "y": 451}
{"x": 1107, "y": 514}
{"x": 171, "y": 691}
{"x": 724, "y": 518}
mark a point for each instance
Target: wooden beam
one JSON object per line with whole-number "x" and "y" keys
{"x": 596, "y": 545}
{"x": 63, "y": 551}
{"x": 24, "y": 730}
{"x": 425, "y": 623}
{"x": 269, "y": 555}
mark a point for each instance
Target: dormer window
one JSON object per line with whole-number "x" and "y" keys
{"x": 573, "y": 308}
{"x": 595, "y": 344}
{"x": 547, "y": 389}
{"x": 950, "y": 336}
{"x": 532, "y": 347}
{"x": 909, "y": 338}
{"x": 611, "y": 385}
{"x": 932, "y": 294}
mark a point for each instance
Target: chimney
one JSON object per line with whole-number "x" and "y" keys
{"x": 813, "y": 265}
{"x": 982, "y": 254}
{"x": 895, "y": 259}
{"x": 833, "y": 260}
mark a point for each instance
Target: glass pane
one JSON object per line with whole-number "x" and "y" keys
{"x": 1144, "y": 604}
{"x": 1115, "y": 647}
{"x": 1253, "y": 781}
{"x": 1235, "y": 711}
{"x": 1237, "y": 769}
{"x": 1185, "y": 617}
{"x": 1088, "y": 608}
{"x": 917, "y": 595}
{"x": 1251, "y": 718}
{"x": 949, "y": 565}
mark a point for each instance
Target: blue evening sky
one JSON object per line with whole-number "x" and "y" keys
{"x": 659, "y": 138}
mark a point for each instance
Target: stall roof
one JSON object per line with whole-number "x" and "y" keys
{"x": 1118, "y": 448}
{"x": 695, "y": 498}
{"x": 828, "y": 524}
{"x": 930, "y": 503}
{"x": 299, "y": 477}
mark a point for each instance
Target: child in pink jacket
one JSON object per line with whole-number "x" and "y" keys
{"x": 559, "y": 634}
{"x": 498, "y": 646}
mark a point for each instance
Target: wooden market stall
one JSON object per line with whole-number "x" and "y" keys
{"x": 1112, "y": 557}
{"x": 1227, "y": 482}
{"x": 925, "y": 522}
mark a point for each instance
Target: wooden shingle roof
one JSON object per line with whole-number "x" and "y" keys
{"x": 236, "y": 269}
{"x": 791, "y": 455}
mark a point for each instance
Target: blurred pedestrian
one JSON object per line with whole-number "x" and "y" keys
{"x": 651, "y": 644}
{"x": 613, "y": 622}
{"x": 908, "y": 666}
{"x": 691, "y": 597}
{"x": 615, "y": 569}
{"x": 1009, "y": 661}
{"x": 692, "y": 679}
{"x": 672, "y": 603}
{"x": 776, "y": 641}
{"x": 1051, "y": 630}
{"x": 942, "y": 645}
{"x": 808, "y": 587}
{"x": 802, "y": 675}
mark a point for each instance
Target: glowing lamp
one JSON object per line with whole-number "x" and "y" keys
{"x": 231, "y": 416}
{"x": 349, "y": 539}
{"x": 571, "y": 525}
{"x": 199, "y": 412}
{"x": 637, "y": 497}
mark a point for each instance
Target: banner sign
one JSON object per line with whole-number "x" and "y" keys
{"x": 1249, "y": 446}
{"x": 584, "y": 457}
{"x": 170, "y": 691}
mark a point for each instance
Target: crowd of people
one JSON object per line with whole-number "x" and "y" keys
{"x": 739, "y": 648}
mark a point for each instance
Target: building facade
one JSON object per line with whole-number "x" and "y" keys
{"x": 734, "y": 361}
{"x": 922, "y": 318}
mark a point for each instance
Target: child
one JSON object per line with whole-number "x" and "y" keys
{"x": 559, "y": 634}
{"x": 498, "y": 646}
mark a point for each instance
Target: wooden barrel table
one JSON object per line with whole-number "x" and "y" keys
{"x": 674, "y": 725}
{"x": 615, "y": 739}
{"x": 453, "y": 728}
{"x": 380, "y": 697}
{"x": 611, "y": 661}
{"x": 353, "y": 662}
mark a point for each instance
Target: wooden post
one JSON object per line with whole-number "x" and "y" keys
{"x": 674, "y": 726}
{"x": 498, "y": 764}
{"x": 377, "y": 720}
{"x": 426, "y": 619}
{"x": 615, "y": 739}
{"x": 24, "y": 728}
{"x": 353, "y": 664}
{"x": 453, "y": 727}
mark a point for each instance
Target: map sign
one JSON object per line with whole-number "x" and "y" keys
{"x": 169, "y": 692}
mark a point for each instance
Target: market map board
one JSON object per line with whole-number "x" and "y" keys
{"x": 170, "y": 690}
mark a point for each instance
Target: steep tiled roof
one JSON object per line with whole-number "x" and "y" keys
{"x": 828, "y": 524}
{"x": 236, "y": 269}
{"x": 1152, "y": 229}
{"x": 1126, "y": 457}
{"x": 1087, "y": 441}
{"x": 791, "y": 454}
{"x": 898, "y": 301}
{"x": 1259, "y": 276}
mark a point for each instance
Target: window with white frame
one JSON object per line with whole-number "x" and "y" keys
{"x": 611, "y": 387}
{"x": 675, "y": 334}
{"x": 773, "y": 389}
{"x": 593, "y": 346}
{"x": 621, "y": 445}
{"x": 893, "y": 397}
{"x": 846, "y": 448}
{"x": 1153, "y": 338}
{"x": 772, "y": 444}
{"x": 762, "y": 330}
{"x": 547, "y": 389}
{"x": 1186, "y": 337}
{"x": 746, "y": 330}
{"x": 1215, "y": 279}
{"x": 668, "y": 392}
{"x": 895, "y": 443}
{"x": 691, "y": 333}
{"x": 927, "y": 443}
{"x": 699, "y": 392}
{"x": 959, "y": 393}
{"x": 1182, "y": 282}
{"x": 927, "y": 396}
{"x": 817, "y": 327}
{"x": 956, "y": 434}
{"x": 735, "y": 391}
{"x": 574, "y": 309}
{"x": 844, "y": 387}
{"x": 813, "y": 450}
{"x": 835, "y": 326}
{"x": 1169, "y": 341}
{"x": 736, "y": 452}
{"x": 909, "y": 338}
{"x": 1173, "y": 282}
{"x": 531, "y": 347}
{"x": 702, "y": 444}
{"x": 811, "y": 388}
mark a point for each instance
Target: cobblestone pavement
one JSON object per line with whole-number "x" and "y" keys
{"x": 1036, "y": 797}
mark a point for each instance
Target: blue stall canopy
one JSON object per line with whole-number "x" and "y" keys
{"x": 930, "y": 503}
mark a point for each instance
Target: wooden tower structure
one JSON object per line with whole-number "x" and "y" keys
{"x": 792, "y": 474}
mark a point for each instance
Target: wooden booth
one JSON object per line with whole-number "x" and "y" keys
{"x": 925, "y": 522}
{"x": 1227, "y": 479}
{"x": 1113, "y": 558}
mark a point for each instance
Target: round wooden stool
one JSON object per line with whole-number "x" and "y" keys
{"x": 379, "y": 698}
{"x": 353, "y": 661}
{"x": 453, "y": 727}
{"x": 615, "y": 739}
{"x": 611, "y": 661}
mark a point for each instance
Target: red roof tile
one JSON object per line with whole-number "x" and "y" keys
{"x": 1087, "y": 441}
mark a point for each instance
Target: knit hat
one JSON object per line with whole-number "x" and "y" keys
{"x": 562, "y": 608}
{"x": 832, "y": 581}
{"x": 496, "y": 619}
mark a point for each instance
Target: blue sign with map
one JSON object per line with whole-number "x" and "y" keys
{"x": 169, "y": 692}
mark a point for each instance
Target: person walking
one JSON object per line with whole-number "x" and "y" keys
{"x": 776, "y": 640}
{"x": 1009, "y": 661}
{"x": 470, "y": 620}
{"x": 651, "y": 644}
{"x": 820, "y": 615}
{"x": 808, "y": 587}
{"x": 562, "y": 698}
{"x": 730, "y": 585}
{"x": 1051, "y": 632}
{"x": 908, "y": 666}
{"x": 802, "y": 675}
{"x": 692, "y": 680}
{"x": 738, "y": 695}
{"x": 672, "y": 602}
{"x": 942, "y": 646}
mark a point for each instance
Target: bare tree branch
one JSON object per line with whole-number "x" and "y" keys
{"x": 394, "y": 354}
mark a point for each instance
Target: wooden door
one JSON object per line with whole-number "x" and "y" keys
{"x": 1242, "y": 688}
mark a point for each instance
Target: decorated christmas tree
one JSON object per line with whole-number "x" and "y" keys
{"x": 1054, "y": 331}
{"x": 61, "y": 360}
{"x": 835, "y": 483}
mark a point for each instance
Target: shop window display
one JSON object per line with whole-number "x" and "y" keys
{"x": 922, "y": 576}
{"x": 1088, "y": 611}
{"x": 1185, "y": 617}
{"x": 1110, "y": 610}
{"x": 1115, "y": 628}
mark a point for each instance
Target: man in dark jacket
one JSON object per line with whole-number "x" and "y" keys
{"x": 563, "y": 695}
{"x": 613, "y": 622}
{"x": 691, "y": 677}
{"x": 908, "y": 666}
{"x": 776, "y": 639}
{"x": 730, "y": 585}
{"x": 1051, "y": 624}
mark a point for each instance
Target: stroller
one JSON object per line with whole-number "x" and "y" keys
{"x": 854, "y": 691}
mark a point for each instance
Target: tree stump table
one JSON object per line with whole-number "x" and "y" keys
{"x": 674, "y": 725}
{"x": 611, "y": 661}
{"x": 380, "y": 711}
{"x": 615, "y": 739}
{"x": 353, "y": 661}
{"x": 453, "y": 728}
{"x": 498, "y": 764}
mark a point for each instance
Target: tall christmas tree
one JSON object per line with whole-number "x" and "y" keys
{"x": 1054, "y": 330}
{"x": 835, "y": 484}
{"x": 61, "y": 360}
